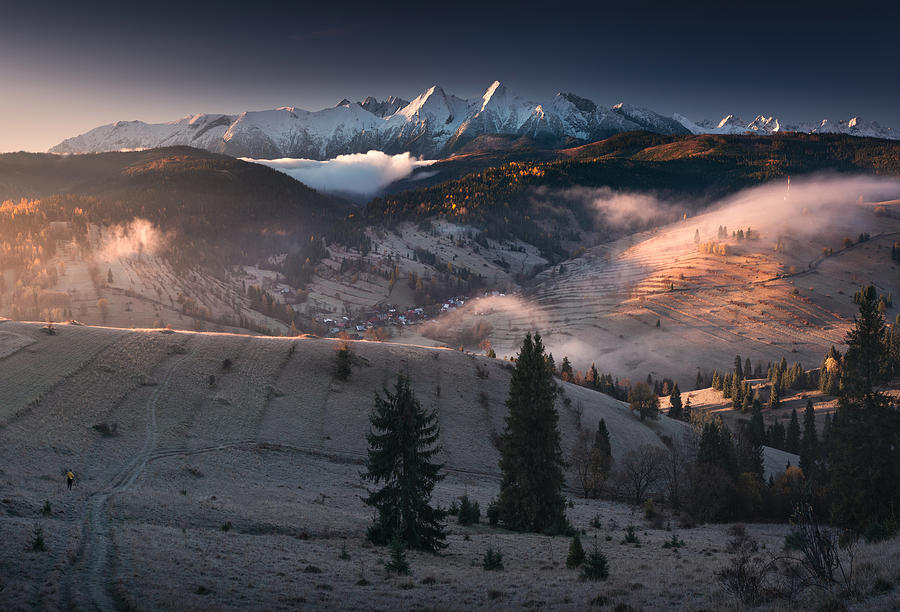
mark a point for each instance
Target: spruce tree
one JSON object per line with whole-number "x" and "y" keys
{"x": 757, "y": 425}
{"x": 809, "y": 444}
{"x": 774, "y": 399}
{"x": 864, "y": 440}
{"x": 576, "y": 553}
{"x": 792, "y": 440}
{"x": 403, "y": 441}
{"x": 601, "y": 439}
{"x": 675, "y": 412}
{"x": 717, "y": 448}
{"x": 565, "y": 370}
{"x": 748, "y": 368}
{"x": 738, "y": 368}
{"x": 698, "y": 383}
{"x": 398, "y": 563}
{"x": 531, "y": 459}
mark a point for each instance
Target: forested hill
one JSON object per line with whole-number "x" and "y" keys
{"x": 181, "y": 188}
{"x": 698, "y": 169}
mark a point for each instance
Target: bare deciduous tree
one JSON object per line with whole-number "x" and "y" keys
{"x": 590, "y": 463}
{"x": 641, "y": 470}
{"x": 682, "y": 451}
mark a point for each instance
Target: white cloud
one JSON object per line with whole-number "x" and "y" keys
{"x": 359, "y": 173}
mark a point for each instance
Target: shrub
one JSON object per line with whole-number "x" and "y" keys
{"x": 398, "y": 563}
{"x": 576, "y": 553}
{"x": 46, "y": 509}
{"x": 453, "y": 510}
{"x": 826, "y": 554}
{"x": 226, "y": 526}
{"x": 37, "y": 543}
{"x": 649, "y": 510}
{"x": 595, "y": 566}
{"x": 312, "y": 569}
{"x": 745, "y": 576}
{"x": 493, "y": 559}
{"x": 595, "y": 522}
{"x": 343, "y": 361}
{"x": 106, "y": 430}
{"x": 469, "y": 512}
{"x": 226, "y": 364}
{"x": 674, "y": 543}
{"x": 630, "y": 536}
{"x": 344, "y": 556}
{"x": 493, "y": 513}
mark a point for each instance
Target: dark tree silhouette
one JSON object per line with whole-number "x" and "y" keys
{"x": 531, "y": 459}
{"x": 403, "y": 442}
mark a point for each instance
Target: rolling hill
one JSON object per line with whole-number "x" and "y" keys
{"x": 244, "y": 444}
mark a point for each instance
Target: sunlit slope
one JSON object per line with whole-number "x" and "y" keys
{"x": 777, "y": 294}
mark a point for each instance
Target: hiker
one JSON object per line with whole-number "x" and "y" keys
{"x": 70, "y": 478}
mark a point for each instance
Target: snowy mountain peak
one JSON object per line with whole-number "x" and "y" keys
{"x": 383, "y": 109}
{"x": 730, "y": 120}
{"x": 433, "y": 124}
{"x": 495, "y": 91}
{"x": 582, "y": 104}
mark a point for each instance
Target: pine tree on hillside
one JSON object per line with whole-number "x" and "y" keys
{"x": 748, "y": 368}
{"x": 698, "y": 383}
{"x": 738, "y": 368}
{"x": 675, "y": 412}
{"x": 531, "y": 459}
{"x": 775, "y": 435}
{"x": 403, "y": 441}
{"x": 864, "y": 440}
{"x": 792, "y": 440}
{"x": 717, "y": 448}
{"x": 593, "y": 377}
{"x": 565, "y": 370}
{"x": 774, "y": 398}
{"x": 809, "y": 444}
{"x": 757, "y": 425}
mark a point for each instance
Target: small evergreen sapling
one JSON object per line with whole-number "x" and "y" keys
{"x": 595, "y": 566}
{"x": 493, "y": 559}
{"x": 576, "y": 553}
{"x": 398, "y": 563}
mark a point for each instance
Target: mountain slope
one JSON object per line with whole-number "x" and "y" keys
{"x": 505, "y": 201}
{"x": 434, "y": 124}
{"x": 201, "y": 195}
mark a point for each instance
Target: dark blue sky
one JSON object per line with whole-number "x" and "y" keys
{"x": 68, "y": 67}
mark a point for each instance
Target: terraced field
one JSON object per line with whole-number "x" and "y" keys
{"x": 757, "y": 301}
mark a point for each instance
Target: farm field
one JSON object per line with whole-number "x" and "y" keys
{"x": 759, "y": 302}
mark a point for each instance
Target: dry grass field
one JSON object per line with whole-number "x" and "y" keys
{"x": 205, "y": 483}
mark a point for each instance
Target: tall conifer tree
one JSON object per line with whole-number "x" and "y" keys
{"x": 531, "y": 459}
{"x": 403, "y": 442}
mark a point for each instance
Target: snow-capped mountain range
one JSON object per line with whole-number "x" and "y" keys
{"x": 434, "y": 124}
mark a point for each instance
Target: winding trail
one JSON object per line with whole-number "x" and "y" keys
{"x": 89, "y": 575}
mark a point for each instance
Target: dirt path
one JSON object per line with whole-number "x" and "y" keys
{"x": 88, "y": 579}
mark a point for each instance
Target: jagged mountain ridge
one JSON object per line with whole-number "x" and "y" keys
{"x": 434, "y": 124}
{"x": 761, "y": 124}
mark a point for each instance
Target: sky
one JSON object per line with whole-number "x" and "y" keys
{"x": 67, "y": 67}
